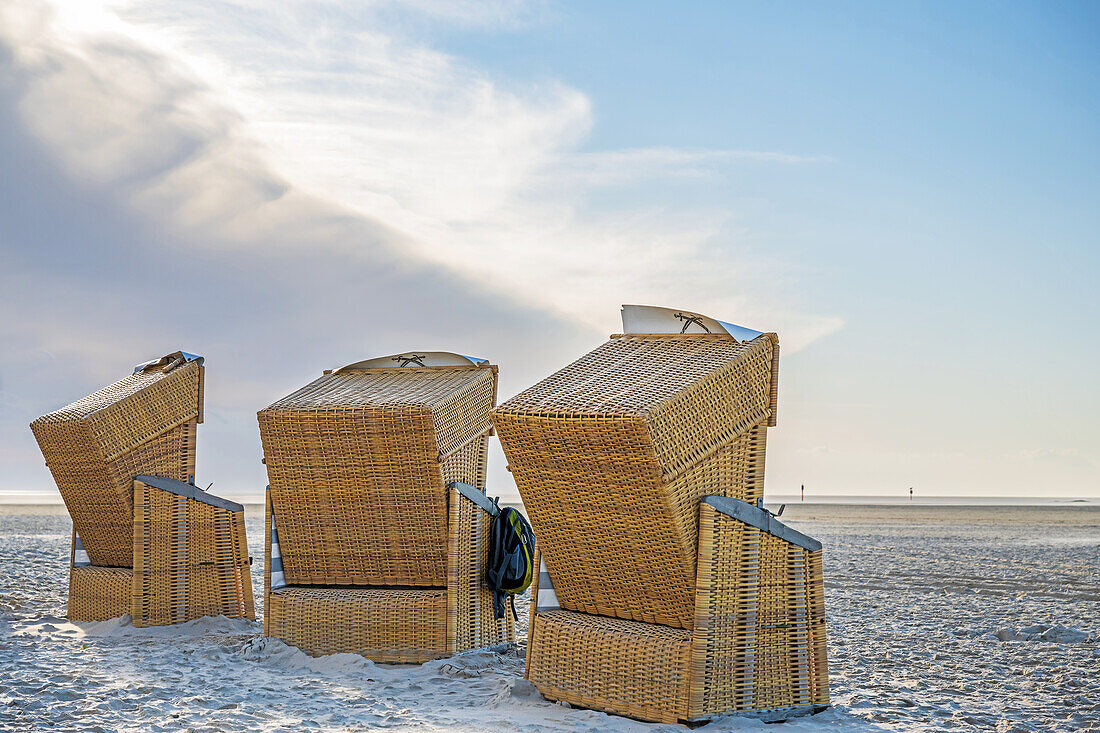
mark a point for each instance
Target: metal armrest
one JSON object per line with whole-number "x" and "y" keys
{"x": 762, "y": 519}
{"x": 476, "y": 496}
{"x": 190, "y": 491}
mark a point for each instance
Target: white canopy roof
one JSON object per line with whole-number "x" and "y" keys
{"x": 653, "y": 319}
{"x": 415, "y": 359}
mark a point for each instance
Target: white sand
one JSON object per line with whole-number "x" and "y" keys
{"x": 949, "y": 618}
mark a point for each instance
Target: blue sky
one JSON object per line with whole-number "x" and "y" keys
{"x": 906, "y": 193}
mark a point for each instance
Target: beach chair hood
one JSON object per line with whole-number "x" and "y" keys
{"x": 627, "y": 439}
{"x": 144, "y": 423}
{"x": 359, "y": 460}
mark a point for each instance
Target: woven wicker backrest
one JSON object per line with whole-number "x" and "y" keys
{"x": 612, "y": 454}
{"x": 358, "y": 462}
{"x": 142, "y": 424}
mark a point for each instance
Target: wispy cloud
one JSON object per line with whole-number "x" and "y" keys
{"x": 487, "y": 14}
{"x": 483, "y": 175}
{"x": 621, "y": 167}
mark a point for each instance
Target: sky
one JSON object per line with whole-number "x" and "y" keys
{"x": 906, "y": 193}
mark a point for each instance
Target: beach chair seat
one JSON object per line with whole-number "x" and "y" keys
{"x": 370, "y": 549}
{"x": 663, "y": 605}
{"x": 145, "y": 541}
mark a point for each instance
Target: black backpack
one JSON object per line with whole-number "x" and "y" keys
{"x": 511, "y": 558}
{"x": 511, "y": 550}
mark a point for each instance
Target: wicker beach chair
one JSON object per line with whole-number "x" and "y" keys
{"x": 146, "y": 541}
{"x": 372, "y": 547}
{"x": 665, "y": 593}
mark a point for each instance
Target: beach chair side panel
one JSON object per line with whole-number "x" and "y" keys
{"x": 470, "y": 621}
{"x": 724, "y": 639}
{"x": 816, "y": 592}
{"x": 759, "y": 641}
{"x": 190, "y": 559}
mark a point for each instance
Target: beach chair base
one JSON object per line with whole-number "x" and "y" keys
{"x": 629, "y": 668}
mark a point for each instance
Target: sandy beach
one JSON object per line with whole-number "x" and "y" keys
{"x": 939, "y": 618}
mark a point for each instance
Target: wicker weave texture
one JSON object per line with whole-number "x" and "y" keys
{"x": 395, "y": 624}
{"x": 757, "y": 644}
{"x": 384, "y": 625}
{"x": 99, "y": 594}
{"x": 760, "y": 631}
{"x": 691, "y": 394}
{"x": 142, "y": 424}
{"x": 158, "y": 556}
{"x": 783, "y": 644}
{"x": 637, "y": 566}
{"x": 470, "y": 622}
{"x": 190, "y": 560}
{"x": 626, "y": 667}
{"x": 630, "y": 437}
{"x": 816, "y": 590}
{"x": 726, "y": 600}
{"x": 358, "y": 462}
{"x": 127, "y": 413}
